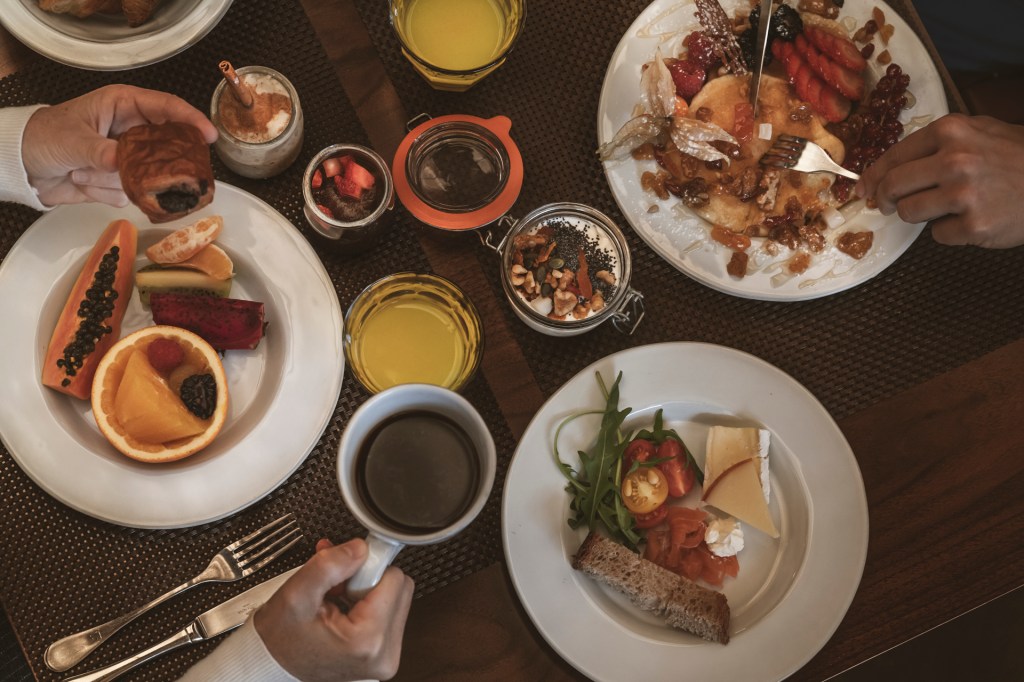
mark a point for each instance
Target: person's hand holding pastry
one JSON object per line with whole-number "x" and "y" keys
{"x": 70, "y": 150}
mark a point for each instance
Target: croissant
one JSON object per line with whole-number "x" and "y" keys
{"x": 138, "y": 11}
{"x": 79, "y": 8}
{"x": 165, "y": 169}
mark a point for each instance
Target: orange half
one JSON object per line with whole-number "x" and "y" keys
{"x": 138, "y": 409}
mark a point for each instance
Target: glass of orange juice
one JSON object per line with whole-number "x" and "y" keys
{"x": 453, "y": 44}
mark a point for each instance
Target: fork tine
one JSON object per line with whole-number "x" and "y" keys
{"x": 777, "y": 161}
{"x": 259, "y": 545}
{"x": 793, "y": 138}
{"x": 787, "y": 146}
{"x": 248, "y": 570}
{"x": 289, "y": 517}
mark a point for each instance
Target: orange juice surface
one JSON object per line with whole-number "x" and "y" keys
{"x": 458, "y": 35}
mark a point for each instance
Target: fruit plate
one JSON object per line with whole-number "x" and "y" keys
{"x": 790, "y": 594}
{"x": 282, "y": 394}
{"x": 682, "y": 238}
{"x": 107, "y": 43}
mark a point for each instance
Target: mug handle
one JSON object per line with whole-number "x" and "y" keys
{"x": 382, "y": 551}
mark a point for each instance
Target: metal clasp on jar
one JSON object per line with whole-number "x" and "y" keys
{"x": 627, "y": 318}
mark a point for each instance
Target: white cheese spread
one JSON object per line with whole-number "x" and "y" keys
{"x": 724, "y": 537}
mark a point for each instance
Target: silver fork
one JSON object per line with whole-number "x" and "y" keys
{"x": 800, "y": 154}
{"x": 234, "y": 562}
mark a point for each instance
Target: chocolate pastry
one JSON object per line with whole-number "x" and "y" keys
{"x": 165, "y": 169}
{"x": 138, "y": 11}
{"x": 80, "y": 8}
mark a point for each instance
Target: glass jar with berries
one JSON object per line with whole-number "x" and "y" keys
{"x": 347, "y": 189}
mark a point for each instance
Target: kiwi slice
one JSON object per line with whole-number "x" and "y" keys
{"x": 172, "y": 280}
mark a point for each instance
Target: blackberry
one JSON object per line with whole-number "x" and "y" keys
{"x": 199, "y": 393}
{"x": 786, "y": 23}
{"x": 748, "y": 48}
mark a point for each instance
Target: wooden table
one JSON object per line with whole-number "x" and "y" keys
{"x": 942, "y": 466}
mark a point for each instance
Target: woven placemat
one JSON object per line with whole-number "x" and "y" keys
{"x": 934, "y": 309}
{"x": 61, "y": 571}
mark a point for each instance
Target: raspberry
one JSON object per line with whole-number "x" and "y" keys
{"x": 701, "y": 50}
{"x": 688, "y": 76}
{"x": 165, "y": 355}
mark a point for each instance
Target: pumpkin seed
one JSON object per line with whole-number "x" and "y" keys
{"x": 556, "y": 263}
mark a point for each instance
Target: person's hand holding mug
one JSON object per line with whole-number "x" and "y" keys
{"x": 416, "y": 464}
{"x": 313, "y": 639}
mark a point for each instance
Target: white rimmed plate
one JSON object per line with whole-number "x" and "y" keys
{"x": 283, "y": 393}
{"x": 106, "y": 42}
{"x": 682, "y": 238}
{"x": 790, "y": 594}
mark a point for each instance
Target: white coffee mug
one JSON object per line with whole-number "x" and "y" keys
{"x": 384, "y": 541}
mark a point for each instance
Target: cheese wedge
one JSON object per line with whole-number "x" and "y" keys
{"x": 738, "y": 492}
{"x": 728, "y": 446}
{"x": 735, "y": 469}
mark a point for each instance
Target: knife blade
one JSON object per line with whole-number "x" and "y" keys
{"x": 225, "y": 616}
{"x": 761, "y": 47}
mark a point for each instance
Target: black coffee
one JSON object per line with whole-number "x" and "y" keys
{"x": 417, "y": 472}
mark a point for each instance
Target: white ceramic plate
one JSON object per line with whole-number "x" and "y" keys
{"x": 283, "y": 393}
{"x": 106, "y": 42}
{"x": 790, "y": 594}
{"x": 682, "y": 238}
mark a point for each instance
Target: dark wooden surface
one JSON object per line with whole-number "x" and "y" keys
{"x": 942, "y": 462}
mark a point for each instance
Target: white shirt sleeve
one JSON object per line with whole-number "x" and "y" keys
{"x": 13, "y": 178}
{"x": 242, "y": 657}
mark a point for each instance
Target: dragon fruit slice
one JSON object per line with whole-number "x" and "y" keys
{"x": 225, "y": 323}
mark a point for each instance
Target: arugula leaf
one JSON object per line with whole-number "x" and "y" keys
{"x": 595, "y": 486}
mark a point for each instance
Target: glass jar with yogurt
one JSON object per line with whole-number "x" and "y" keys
{"x": 261, "y": 140}
{"x": 565, "y": 268}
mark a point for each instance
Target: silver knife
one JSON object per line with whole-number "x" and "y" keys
{"x": 218, "y": 620}
{"x": 762, "y": 46}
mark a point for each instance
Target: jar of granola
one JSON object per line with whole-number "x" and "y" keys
{"x": 565, "y": 269}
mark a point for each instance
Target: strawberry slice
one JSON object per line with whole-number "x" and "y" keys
{"x": 318, "y": 179}
{"x": 833, "y": 106}
{"x": 326, "y": 211}
{"x": 848, "y": 83}
{"x": 347, "y": 188}
{"x": 811, "y": 89}
{"x": 840, "y": 49}
{"x": 360, "y": 175}
{"x": 332, "y": 167}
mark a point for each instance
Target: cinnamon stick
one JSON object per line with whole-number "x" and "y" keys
{"x": 240, "y": 89}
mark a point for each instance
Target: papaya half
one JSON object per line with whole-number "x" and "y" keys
{"x": 90, "y": 322}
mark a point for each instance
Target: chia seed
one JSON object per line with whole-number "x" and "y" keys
{"x": 571, "y": 239}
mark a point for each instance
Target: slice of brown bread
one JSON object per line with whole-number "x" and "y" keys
{"x": 682, "y": 603}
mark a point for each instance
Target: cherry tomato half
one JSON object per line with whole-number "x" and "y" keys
{"x": 644, "y": 490}
{"x": 676, "y": 467}
{"x": 639, "y": 450}
{"x": 651, "y": 520}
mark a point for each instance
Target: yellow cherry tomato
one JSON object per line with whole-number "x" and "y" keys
{"x": 644, "y": 490}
